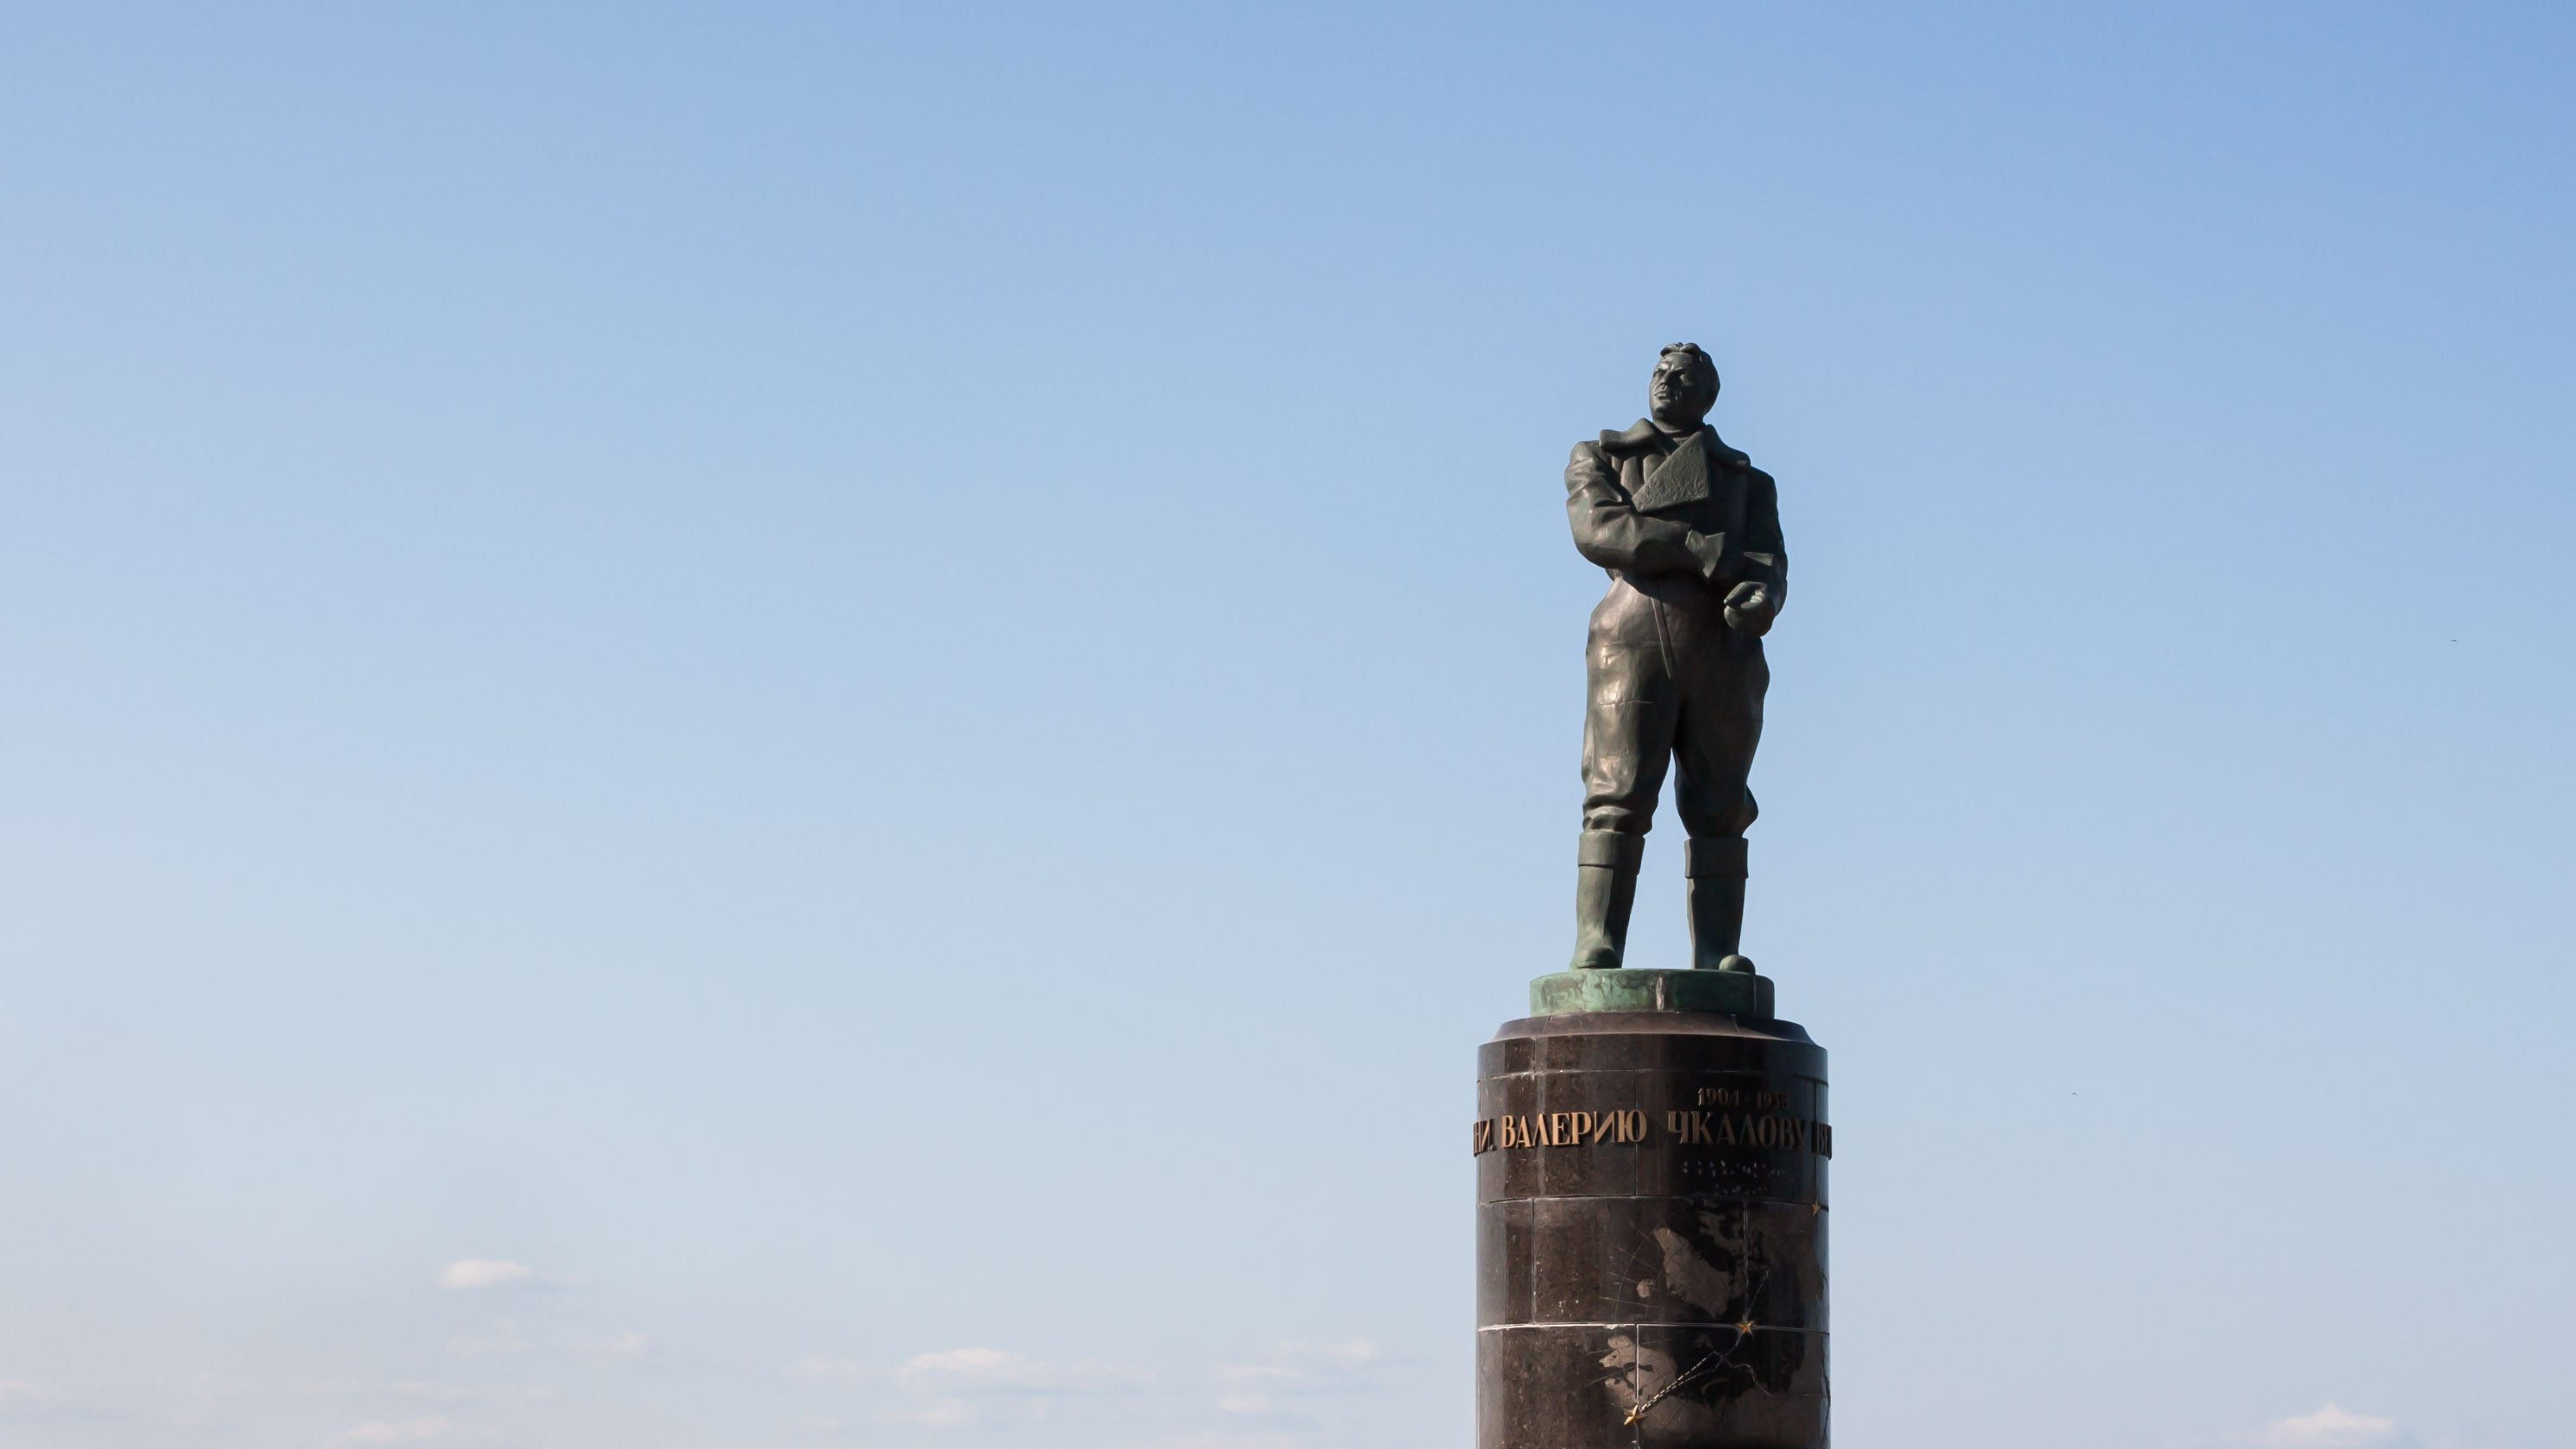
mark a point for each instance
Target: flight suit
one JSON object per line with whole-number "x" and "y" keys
{"x": 1678, "y": 521}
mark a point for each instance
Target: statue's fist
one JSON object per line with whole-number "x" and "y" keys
{"x": 1749, "y": 608}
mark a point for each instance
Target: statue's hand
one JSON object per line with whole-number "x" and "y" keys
{"x": 1708, "y": 550}
{"x": 1749, "y": 608}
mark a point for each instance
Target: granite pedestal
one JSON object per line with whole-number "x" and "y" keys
{"x": 1651, "y": 1152}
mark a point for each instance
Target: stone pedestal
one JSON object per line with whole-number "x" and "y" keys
{"x": 1651, "y": 1153}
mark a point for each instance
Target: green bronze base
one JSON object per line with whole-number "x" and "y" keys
{"x": 1737, "y": 993}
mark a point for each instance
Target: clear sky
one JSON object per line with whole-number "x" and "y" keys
{"x": 779, "y": 725}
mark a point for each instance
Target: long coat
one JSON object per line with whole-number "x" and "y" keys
{"x": 1647, "y": 540}
{"x": 1668, "y": 679}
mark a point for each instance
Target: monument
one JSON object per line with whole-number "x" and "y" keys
{"x": 1651, "y": 1144}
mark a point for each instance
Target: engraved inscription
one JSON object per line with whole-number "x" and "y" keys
{"x": 1764, "y": 1131}
{"x": 1738, "y": 1097}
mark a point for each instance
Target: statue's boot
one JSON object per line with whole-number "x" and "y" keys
{"x": 1605, "y": 888}
{"x": 1716, "y": 871}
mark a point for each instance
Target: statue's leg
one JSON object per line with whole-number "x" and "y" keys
{"x": 1627, "y": 742}
{"x": 1715, "y": 867}
{"x": 1721, "y": 724}
{"x": 1605, "y": 890}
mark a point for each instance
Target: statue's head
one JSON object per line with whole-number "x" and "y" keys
{"x": 1684, "y": 386}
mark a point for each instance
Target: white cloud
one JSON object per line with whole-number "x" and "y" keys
{"x": 1309, "y": 1364}
{"x": 2331, "y": 1428}
{"x": 437, "y": 1393}
{"x": 950, "y": 1388}
{"x": 1294, "y": 1393}
{"x": 971, "y": 1370}
{"x": 980, "y": 1361}
{"x": 939, "y": 1414}
{"x": 1338, "y": 1355}
{"x": 1308, "y": 1360}
{"x": 485, "y": 1273}
{"x": 385, "y": 1431}
{"x": 505, "y": 1338}
{"x": 1295, "y": 1386}
{"x": 22, "y": 1402}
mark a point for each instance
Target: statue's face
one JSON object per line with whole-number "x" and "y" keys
{"x": 1682, "y": 389}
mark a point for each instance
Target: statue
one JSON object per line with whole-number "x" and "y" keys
{"x": 1689, "y": 531}
{"x": 1652, "y": 1146}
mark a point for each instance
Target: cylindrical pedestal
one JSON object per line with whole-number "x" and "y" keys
{"x": 1650, "y": 1231}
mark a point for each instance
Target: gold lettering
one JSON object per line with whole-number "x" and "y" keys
{"x": 1673, "y": 1124}
{"x": 1766, "y": 1133}
{"x": 1484, "y": 1135}
{"x": 1726, "y": 1130}
{"x": 1582, "y": 1127}
{"x": 1602, "y": 1124}
{"x": 1636, "y": 1130}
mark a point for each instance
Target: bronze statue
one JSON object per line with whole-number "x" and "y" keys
{"x": 1689, "y": 531}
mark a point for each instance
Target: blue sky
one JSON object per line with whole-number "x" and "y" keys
{"x": 781, "y": 725}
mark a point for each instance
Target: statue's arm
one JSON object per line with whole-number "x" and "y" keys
{"x": 1762, "y": 571}
{"x": 1612, "y": 533}
{"x": 1766, "y": 553}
